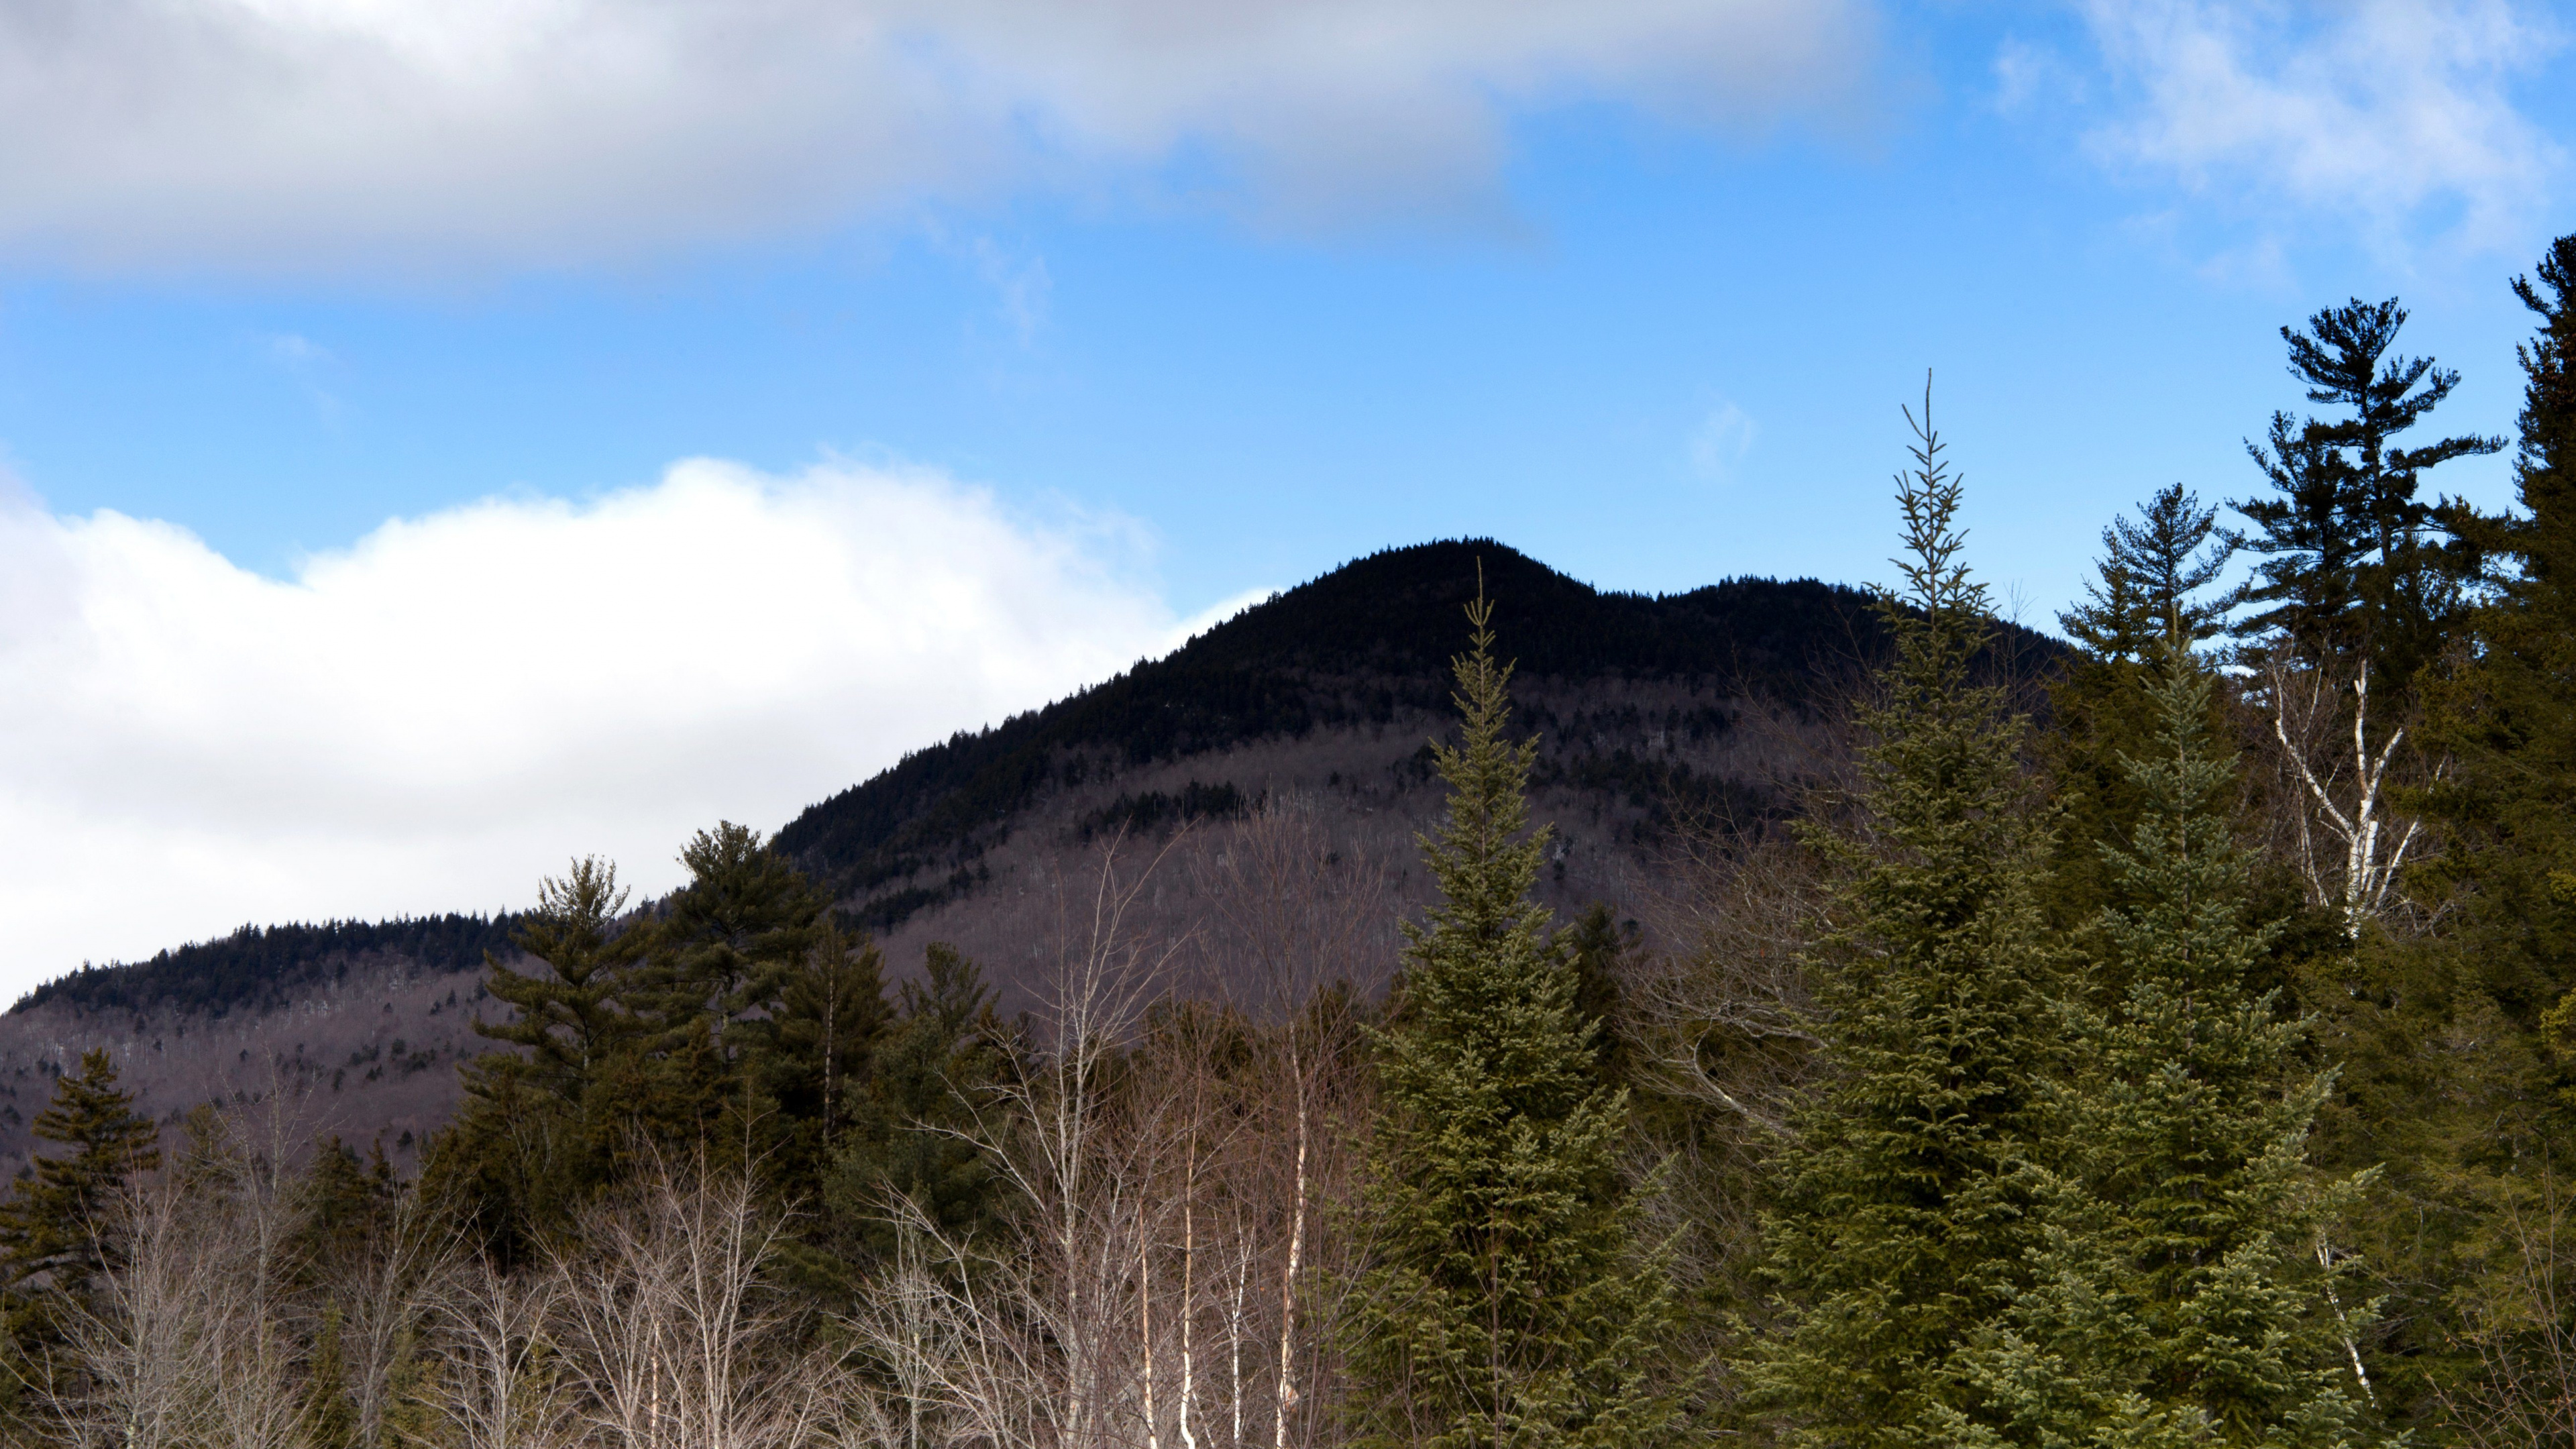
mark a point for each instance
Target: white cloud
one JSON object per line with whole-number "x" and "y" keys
{"x": 2397, "y": 114}
{"x": 371, "y": 133}
{"x": 435, "y": 717}
{"x": 1721, "y": 442}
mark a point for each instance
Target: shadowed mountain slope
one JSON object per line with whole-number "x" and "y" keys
{"x": 1360, "y": 646}
{"x": 1324, "y": 695}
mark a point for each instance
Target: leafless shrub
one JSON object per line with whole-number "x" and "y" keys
{"x": 672, "y": 1334}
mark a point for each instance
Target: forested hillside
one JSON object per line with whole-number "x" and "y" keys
{"x": 1767, "y": 1015}
{"x": 1650, "y": 709}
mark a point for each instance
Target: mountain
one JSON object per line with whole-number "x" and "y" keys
{"x": 1648, "y": 708}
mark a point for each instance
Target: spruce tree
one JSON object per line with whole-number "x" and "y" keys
{"x": 2152, "y": 580}
{"x": 2177, "y": 1296}
{"x": 1901, "y": 1225}
{"x": 51, "y": 1228}
{"x": 1509, "y": 1302}
{"x": 2509, "y": 716}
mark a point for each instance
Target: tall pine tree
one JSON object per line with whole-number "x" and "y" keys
{"x": 2348, "y": 563}
{"x": 535, "y": 1134}
{"x": 1902, "y": 1220}
{"x": 1510, "y": 1302}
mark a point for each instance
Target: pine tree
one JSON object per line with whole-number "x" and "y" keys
{"x": 730, "y": 938}
{"x": 2461, "y": 1060}
{"x": 539, "y": 1125}
{"x": 1510, "y": 1303}
{"x": 2177, "y": 1295}
{"x": 810, "y": 1056}
{"x": 50, "y": 1229}
{"x": 1901, "y": 1226}
{"x": 567, "y": 1014}
{"x": 910, "y": 1131}
{"x": 2349, "y": 566}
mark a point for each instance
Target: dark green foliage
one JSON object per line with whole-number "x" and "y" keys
{"x": 330, "y": 1418}
{"x": 2347, "y": 558}
{"x": 811, "y": 1061}
{"x": 1509, "y": 1303}
{"x": 2460, "y": 1075}
{"x": 539, "y": 1124}
{"x": 2176, "y": 1297}
{"x": 2149, "y": 582}
{"x": 260, "y": 966}
{"x": 2509, "y": 715}
{"x": 54, "y": 1224}
{"x": 2149, "y": 587}
{"x": 1596, "y": 948}
{"x": 1902, "y": 1224}
{"x": 567, "y": 1020}
{"x": 48, "y": 1230}
{"x": 728, "y": 940}
{"x": 1151, "y": 811}
{"x": 911, "y": 1132}
{"x": 719, "y": 957}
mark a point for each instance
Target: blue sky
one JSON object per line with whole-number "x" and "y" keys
{"x": 1156, "y": 305}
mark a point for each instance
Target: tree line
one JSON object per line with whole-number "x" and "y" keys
{"x": 2177, "y": 1050}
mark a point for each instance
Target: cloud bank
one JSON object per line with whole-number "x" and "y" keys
{"x": 435, "y": 717}
{"x": 2388, "y": 113}
{"x": 285, "y": 133}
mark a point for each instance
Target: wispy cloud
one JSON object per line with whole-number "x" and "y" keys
{"x": 1719, "y": 444}
{"x": 1021, "y": 286}
{"x": 289, "y": 133}
{"x": 436, "y": 716}
{"x": 2398, "y": 115}
{"x": 307, "y": 362}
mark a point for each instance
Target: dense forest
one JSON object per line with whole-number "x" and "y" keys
{"x": 2166, "y": 1041}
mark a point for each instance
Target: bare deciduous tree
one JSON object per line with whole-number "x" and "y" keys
{"x": 2335, "y": 748}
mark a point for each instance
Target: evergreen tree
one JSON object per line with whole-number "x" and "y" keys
{"x": 2509, "y": 716}
{"x": 567, "y": 1014}
{"x": 1902, "y": 1222}
{"x": 2177, "y": 1296}
{"x": 1596, "y": 948}
{"x": 2151, "y": 584}
{"x": 2349, "y": 567}
{"x": 50, "y": 1229}
{"x": 537, "y": 1131}
{"x": 731, "y": 937}
{"x": 2460, "y": 1063}
{"x": 815, "y": 1049}
{"x": 2148, "y": 583}
{"x": 330, "y": 1418}
{"x": 53, "y": 1228}
{"x": 910, "y": 1132}
{"x": 1509, "y": 1303}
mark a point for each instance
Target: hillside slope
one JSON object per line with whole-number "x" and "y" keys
{"x": 1324, "y": 695}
